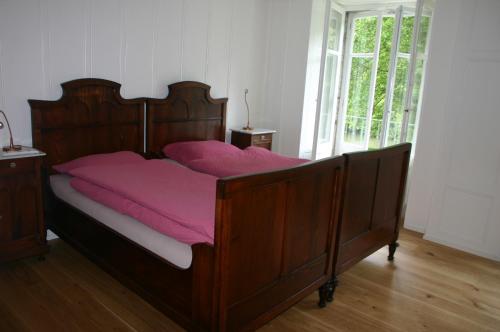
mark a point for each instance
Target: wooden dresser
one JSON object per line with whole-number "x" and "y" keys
{"x": 256, "y": 137}
{"x": 22, "y": 228}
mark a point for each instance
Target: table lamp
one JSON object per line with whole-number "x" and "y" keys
{"x": 11, "y": 147}
{"x": 247, "y": 127}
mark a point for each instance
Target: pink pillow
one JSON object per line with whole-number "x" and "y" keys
{"x": 250, "y": 160}
{"x": 185, "y": 152}
{"x": 116, "y": 158}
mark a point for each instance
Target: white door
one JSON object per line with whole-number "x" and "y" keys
{"x": 465, "y": 208}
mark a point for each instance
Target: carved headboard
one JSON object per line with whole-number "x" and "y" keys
{"x": 188, "y": 114}
{"x": 90, "y": 117}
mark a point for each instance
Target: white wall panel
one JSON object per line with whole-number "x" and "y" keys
{"x": 106, "y": 19}
{"x": 294, "y": 79}
{"x": 245, "y": 61}
{"x": 218, "y": 47}
{"x": 288, "y": 40}
{"x": 167, "y": 66}
{"x": 196, "y": 15}
{"x": 21, "y": 71}
{"x": 277, "y": 48}
{"x": 67, "y": 42}
{"x": 456, "y": 184}
{"x": 142, "y": 44}
{"x": 138, "y": 61}
{"x": 446, "y": 20}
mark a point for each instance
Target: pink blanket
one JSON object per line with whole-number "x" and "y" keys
{"x": 250, "y": 160}
{"x": 170, "y": 199}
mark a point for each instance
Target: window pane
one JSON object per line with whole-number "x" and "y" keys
{"x": 406, "y": 34}
{"x": 328, "y": 102}
{"x": 365, "y": 29}
{"x": 419, "y": 71}
{"x": 397, "y": 111}
{"x": 334, "y": 30}
{"x": 381, "y": 83}
{"x": 415, "y": 100}
{"x": 424, "y": 32}
{"x": 357, "y": 108}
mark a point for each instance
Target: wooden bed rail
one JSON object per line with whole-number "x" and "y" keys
{"x": 274, "y": 240}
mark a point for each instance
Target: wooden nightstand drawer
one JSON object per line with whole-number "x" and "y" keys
{"x": 264, "y": 145}
{"x": 256, "y": 137}
{"x": 262, "y": 138}
{"x": 17, "y": 166}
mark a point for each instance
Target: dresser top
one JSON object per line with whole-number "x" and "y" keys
{"x": 255, "y": 131}
{"x": 24, "y": 153}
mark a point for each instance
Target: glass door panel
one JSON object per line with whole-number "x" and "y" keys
{"x": 399, "y": 88}
{"x": 397, "y": 108}
{"x": 360, "y": 96}
{"x": 334, "y": 29}
{"x": 365, "y": 33}
{"x": 326, "y": 115}
{"x": 415, "y": 101}
{"x": 324, "y": 140}
{"x": 382, "y": 80}
{"x": 357, "y": 109}
{"x": 416, "y": 95}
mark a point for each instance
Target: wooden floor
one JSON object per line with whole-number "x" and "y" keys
{"x": 427, "y": 288}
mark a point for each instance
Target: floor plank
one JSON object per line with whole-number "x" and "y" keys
{"x": 427, "y": 288}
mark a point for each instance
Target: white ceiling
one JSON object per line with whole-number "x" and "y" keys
{"x": 364, "y": 2}
{"x": 355, "y": 5}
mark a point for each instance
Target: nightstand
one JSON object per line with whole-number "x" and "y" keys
{"x": 22, "y": 229}
{"x": 256, "y": 137}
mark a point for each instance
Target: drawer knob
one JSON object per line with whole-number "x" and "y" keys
{"x": 263, "y": 137}
{"x": 13, "y": 165}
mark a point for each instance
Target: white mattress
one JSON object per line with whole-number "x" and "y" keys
{"x": 178, "y": 253}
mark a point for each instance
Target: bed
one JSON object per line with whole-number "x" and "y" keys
{"x": 275, "y": 231}
{"x": 373, "y": 191}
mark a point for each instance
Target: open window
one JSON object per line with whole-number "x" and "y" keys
{"x": 370, "y": 89}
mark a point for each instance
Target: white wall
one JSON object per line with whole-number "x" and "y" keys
{"x": 143, "y": 44}
{"x": 284, "y": 84}
{"x": 454, "y": 192}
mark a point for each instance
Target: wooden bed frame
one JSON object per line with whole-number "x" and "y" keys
{"x": 374, "y": 186}
{"x": 274, "y": 232}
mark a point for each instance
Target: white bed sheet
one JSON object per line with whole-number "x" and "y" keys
{"x": 177, "y": 253}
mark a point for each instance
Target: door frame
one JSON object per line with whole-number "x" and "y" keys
{"x": 346, "y": 70}
{"x": 328, "y": 10}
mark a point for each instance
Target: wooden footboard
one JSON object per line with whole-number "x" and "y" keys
{"x": 374, "y": 188}
{"x": 274, "y": 241}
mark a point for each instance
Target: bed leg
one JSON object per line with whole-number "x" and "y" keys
{"x": 392, "y": 249}
{"x": 323, "y": 295}
{"x": 332, "y": 285}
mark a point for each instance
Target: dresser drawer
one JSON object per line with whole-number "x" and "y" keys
{"x": 17, "y": 166}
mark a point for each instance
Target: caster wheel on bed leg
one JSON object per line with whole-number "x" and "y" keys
{"x": 392, "y": 249}
{"x": 332, "y": 285}
{"x": 323, "y": 294}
